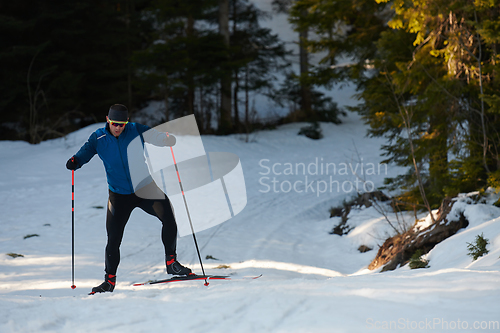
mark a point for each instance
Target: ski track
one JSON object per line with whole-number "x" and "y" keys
{"x": 312, "y": 281}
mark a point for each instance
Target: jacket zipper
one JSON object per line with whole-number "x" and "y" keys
{"x": 127, "y": 174}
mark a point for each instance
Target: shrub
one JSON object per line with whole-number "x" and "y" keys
{"x": 478, "y": 247}
{"x": 312, "y": 131}
{"x": 416, "y": 260}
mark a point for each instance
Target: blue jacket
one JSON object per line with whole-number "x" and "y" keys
{"x": 113, "y": 153}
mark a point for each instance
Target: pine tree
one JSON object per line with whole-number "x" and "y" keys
{"x": 187, "y": 59}
{"x": 344, "y": 31}
{"x": 225, "y": 120}
{"x": 184, "y": 56}
{"x": 257, "y": 56}
{"x": 340, "y": 29}
{"x": 435, "y": 61}
{"x": 444, "y": 81}
{"x": 297, "y": 11}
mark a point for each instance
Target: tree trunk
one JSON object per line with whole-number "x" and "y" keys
{"x": 247, "y": 120}
{"x": 190, "y": 79}
{"x": 190, "y": 97}
{"x": 167, "y": 115}
{"x": 236, "y": 109}
{"x": 407, "y": 122}
{"x": 236, "y": 81}
{"x": 305, "y": 89}
{"x": 483, "y": 120}
{"x": 129, "y": 53}
{"x": 406, "y": 117}
{"x": 225, "y": 124}
{"x": 208, "y": 114}
{"x": 438, "y": 151}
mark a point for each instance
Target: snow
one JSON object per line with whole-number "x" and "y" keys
{"x": 312, "y": 281}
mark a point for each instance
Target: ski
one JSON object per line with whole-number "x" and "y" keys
{"x": 197, "y": 277}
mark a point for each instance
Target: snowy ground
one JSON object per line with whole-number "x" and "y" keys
{"x": 312, "y": 281}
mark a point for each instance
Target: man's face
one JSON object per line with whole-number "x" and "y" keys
{"x": 116, "y": 128}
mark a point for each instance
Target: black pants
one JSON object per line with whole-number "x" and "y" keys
{"x": 120, "y": 207}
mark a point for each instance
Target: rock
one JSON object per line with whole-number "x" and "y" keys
{"x": 364, "y": 248}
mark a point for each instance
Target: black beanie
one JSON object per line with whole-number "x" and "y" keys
{"x": 118, "y": 112}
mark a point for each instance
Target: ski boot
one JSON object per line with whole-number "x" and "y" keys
{"x": 174, "y": 268}
{"x": 107, "y": 286}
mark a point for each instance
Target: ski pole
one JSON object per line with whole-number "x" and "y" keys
{"x": 189, "y": 216}
{"x": 73, "y": 229}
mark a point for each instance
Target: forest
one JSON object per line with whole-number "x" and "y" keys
{"x": 425, "y": 74}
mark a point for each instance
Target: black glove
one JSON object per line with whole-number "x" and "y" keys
{"x": 169, "y": 140}
{"x": 72, "y": 164}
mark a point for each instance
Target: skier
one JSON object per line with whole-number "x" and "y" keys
{"x": 110, "y": 143}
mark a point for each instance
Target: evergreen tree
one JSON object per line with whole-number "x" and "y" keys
{"x": 339, "y": 29}
{"x": 294, "y": 8}
{"x": 257, "y": 56}
{"x": 185, "y": 55}
{"x": 345, "y": 32}
{"x": 443, "y": 80}
{"x": 225, "y": 120}
{"x": 188, "y": 54}
{"x": 426, "y": 67}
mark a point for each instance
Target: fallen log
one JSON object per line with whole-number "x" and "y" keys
{"x": 397, "y": 250}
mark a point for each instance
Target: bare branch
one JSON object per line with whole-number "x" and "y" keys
{"x": 406, "y": 116}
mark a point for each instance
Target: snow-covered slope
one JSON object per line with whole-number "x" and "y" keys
{"x": 312, "y": 281}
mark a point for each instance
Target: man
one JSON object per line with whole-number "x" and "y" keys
{"x": 111, "y": 143}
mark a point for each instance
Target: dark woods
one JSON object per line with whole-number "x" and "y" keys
{"x": 425, "y": 73}
{"x": 64, "y": 62}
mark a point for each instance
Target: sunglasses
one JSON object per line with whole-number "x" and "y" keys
{"x": 118, "y": 123}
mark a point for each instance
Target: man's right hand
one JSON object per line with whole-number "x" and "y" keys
{"x": 169, "y": 140}
{"x": 72, "y": 164}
